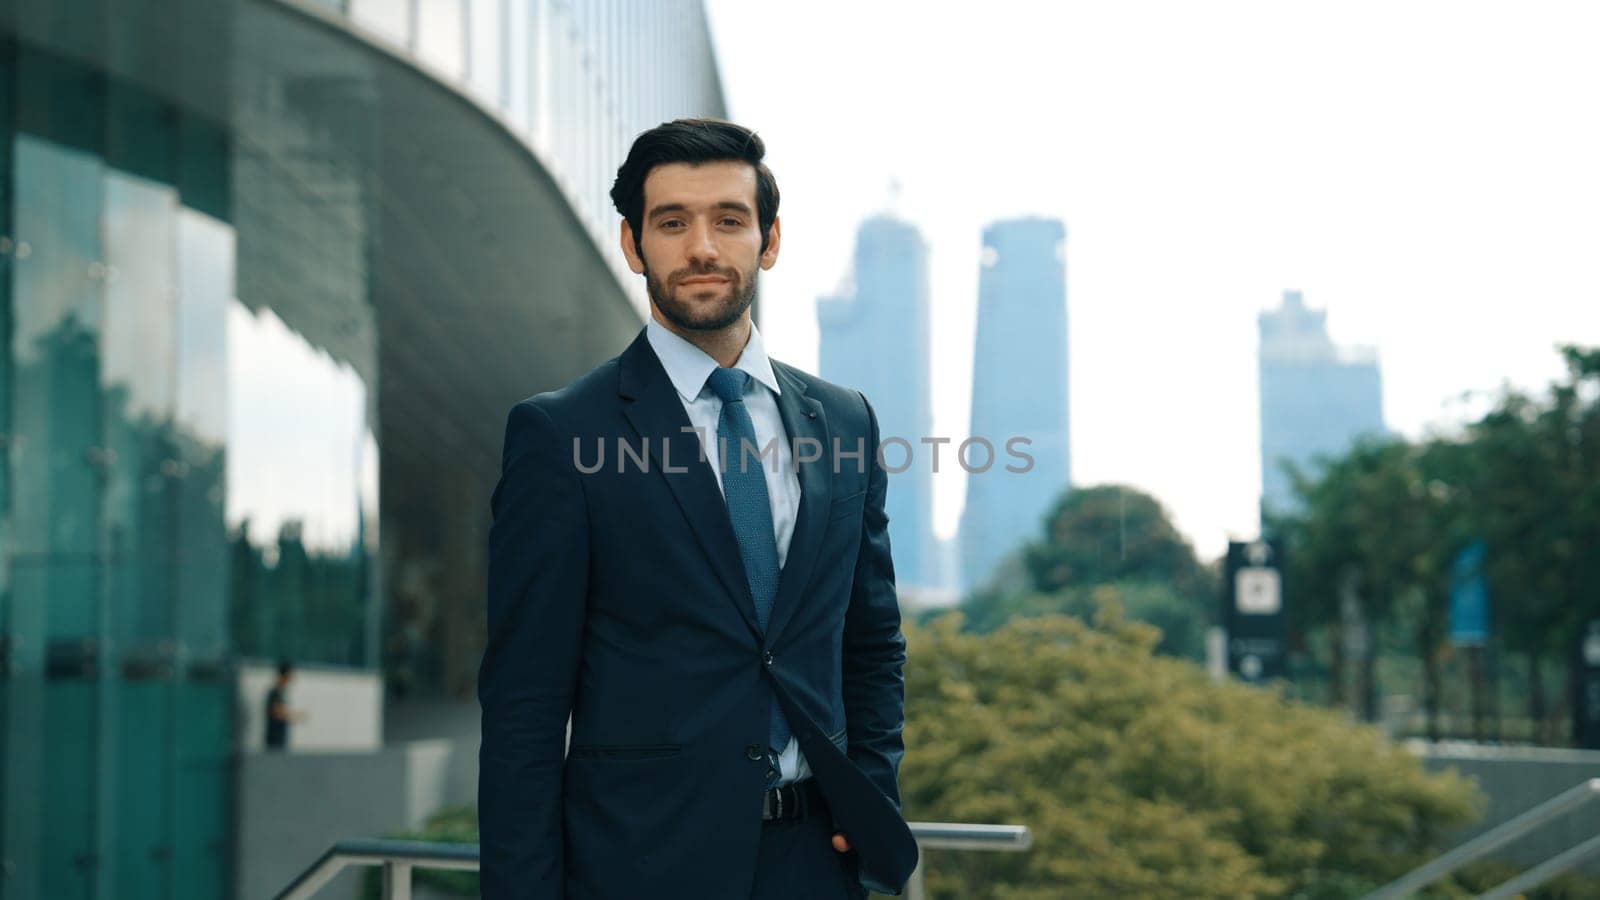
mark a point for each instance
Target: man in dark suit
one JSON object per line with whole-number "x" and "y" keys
{"x": 690, "y": 557}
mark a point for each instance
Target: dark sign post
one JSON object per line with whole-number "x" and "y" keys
{"x": 1469, "y": 626}
{"x": 1586, "y": 718}
{"x": 1254, "y": 612}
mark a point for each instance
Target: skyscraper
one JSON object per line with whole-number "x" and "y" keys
{"x": 1019, "y": 390}
{"x": 1316, "y": 397}
{"x": 875, "y": 338}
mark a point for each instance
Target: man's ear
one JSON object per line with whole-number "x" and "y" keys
{"x": 769, "y": 256}
{"x": 629, "y": 250}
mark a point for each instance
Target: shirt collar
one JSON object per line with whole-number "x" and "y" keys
{"x": 688, "y": 366}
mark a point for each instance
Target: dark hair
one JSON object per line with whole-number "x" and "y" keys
{"x": 284, "y": 667}
{"x": 692, "y": 141}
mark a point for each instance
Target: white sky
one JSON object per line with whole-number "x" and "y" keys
{"x": 1428, "y": 172}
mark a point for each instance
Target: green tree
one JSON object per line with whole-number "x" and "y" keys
{"x": 1382, "y": 524}
{"x": 1101, "y": 544}
{"x": 1139, "y": 776}
{"x": 1536, "y": 501}
{"x": 1111, "y": 533}
{"x": 1181, "y": 620}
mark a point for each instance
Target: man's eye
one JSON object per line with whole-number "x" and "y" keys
{"x": 671, "y": 223}
{"x": 732, "y": 222}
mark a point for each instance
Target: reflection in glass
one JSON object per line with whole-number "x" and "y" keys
{"x": 136, "y": 350}
{"x": 205, "y": 272}
{"x": 58, "y": 466}
{"x": 56, "y": 369}
{"x": 302, "y": 465}
{"x": 174, "y": 468}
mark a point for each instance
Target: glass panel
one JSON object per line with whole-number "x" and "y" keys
{"x": 118, "y": 523}
{"x": 389, "y": 19}
{"x": 139, "y": 853}
{"x": 488, "y": 39}
{"x": 205, "y": 260}
{"x": 203, "y": 775}
{"x": 299, "y": 442}
{"x": 10, "y": 650}
{"x": 440, "y": 36}
{"x": 136, "y": 377}
{"x": 138, "y": 563}
{"x": 58, "y": 467}
{"x": 519, "y": 59}
{"x": 202, "y": 737}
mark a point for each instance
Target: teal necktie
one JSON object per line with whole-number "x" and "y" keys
{"x": 744, "y": 489}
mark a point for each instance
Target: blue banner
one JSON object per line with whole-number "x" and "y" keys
{"x": 1469, "y": 598}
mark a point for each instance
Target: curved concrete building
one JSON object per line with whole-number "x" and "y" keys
{"x": 271, "y": 275}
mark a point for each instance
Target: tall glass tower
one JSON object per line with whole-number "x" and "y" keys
{"x": 1316, "y": 397}
{"x": 1019, "y": 391}
{"x": 875, "y": 338}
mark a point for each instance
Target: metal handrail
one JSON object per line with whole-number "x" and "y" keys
{"x": 948, "y": 836}
{"x": 1544, "y": 871}
{"x": 398, "y": 858}
{"x": 1497, "y": 837}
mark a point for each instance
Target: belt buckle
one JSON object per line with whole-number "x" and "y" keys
{"x": 774, "y": 805}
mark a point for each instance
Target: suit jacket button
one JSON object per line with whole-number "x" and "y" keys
{"x": 753, "y": 752}
{"x": 767, "y": 659}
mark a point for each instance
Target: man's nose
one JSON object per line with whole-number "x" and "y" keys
{"x": 702, "y": 248}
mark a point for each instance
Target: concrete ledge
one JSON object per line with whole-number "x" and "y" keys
{"x": 294, "y": 806}
{"x": 1516, "y": 779}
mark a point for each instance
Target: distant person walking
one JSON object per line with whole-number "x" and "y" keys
{"x": 279, "y": 715}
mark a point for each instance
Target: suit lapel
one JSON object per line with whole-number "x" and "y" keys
{"x": 805, "y": 422}
{"x": 652, "y": 407}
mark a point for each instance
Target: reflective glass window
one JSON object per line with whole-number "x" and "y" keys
{"x": 487, "y": 56}
{"x": 298, "y": 440}
{"x": 519, "y": 64}
{"x": 390, "y": 19}
{"x": 440, "y": 35}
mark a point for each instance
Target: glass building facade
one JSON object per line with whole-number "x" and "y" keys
{"x": 271, "y": 275}
{"x": 187, "y": 480}
{"x": 576, "y": 80}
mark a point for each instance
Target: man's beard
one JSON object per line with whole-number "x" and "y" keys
{"x": 719, "y": 316}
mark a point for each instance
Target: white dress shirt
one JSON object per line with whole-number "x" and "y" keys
{"x": 689, "y": 368}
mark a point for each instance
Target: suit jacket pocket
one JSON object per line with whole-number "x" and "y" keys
{"x": 841, "y": 739}
{"x": 845, "y": 506}
{"x": 623, "y": 751}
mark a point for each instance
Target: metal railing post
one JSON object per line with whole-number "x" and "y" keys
{"x": 1485, "y": 843}
{"x": 915, "y": 889}
{"x": 396, "y": 880}
{"x": 1545, "y": 871}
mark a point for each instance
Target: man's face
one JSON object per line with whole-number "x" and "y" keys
{"x": 701, "y": 243}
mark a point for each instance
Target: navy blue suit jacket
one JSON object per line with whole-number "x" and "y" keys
{"x": 619, "y": 597}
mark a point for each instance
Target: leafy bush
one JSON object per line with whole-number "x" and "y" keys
{"x": 1141, "y": 777}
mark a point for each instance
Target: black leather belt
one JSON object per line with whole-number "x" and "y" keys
{"x": 793, "y": 802}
